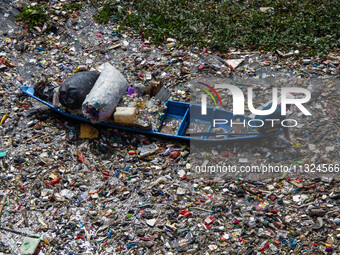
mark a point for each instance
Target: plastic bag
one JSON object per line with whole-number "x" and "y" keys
{"x": 105, "y": 95}
{"x": 74, "y": 90}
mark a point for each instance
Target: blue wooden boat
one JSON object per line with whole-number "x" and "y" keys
{"x": 186, "y": 116}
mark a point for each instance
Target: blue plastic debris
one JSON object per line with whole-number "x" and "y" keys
{"x": 130, "y": 245}
{"x": 110, "y": 233}
{"x": 292, "y": 243}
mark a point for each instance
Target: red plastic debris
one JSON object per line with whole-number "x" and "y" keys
{"x": 208, "y": 221}
{"x": 20, "y": 206}
{"x": 80, "y": 237}
{"x": 143, "y": 238}
{"x": 80, "y": 157}
{"x": 175, "y": 154}
{"x": 265, "y": 247}
{"x": 55, "y": 181}
{"x": 223, "y": 239}
{"x": 277, "y": 242}
{"x": 183, "y": 211}
{"x": 187, "y": 214}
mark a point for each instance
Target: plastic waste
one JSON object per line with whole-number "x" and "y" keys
{"x": 74, "y": 90}
{"x": 105, "y": 95}
{"x": 29, "y": 246}
{"x": 106, "y": 193}
{"x": 126, "y": 115}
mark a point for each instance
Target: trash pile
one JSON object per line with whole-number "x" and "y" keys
{"x": 72, "y": 188}
{"x": 127, "y": 205}
{"x": 105, "y": 97}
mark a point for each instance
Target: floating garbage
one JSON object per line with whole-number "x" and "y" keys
{"x": 79, "y": 189}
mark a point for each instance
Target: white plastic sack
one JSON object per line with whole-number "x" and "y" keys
{"x": 105, "y": 95}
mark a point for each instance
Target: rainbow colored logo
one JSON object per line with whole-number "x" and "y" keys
{"x": 209, "y": 93}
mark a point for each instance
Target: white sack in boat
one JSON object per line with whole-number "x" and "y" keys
{"x": 105, "y": 95}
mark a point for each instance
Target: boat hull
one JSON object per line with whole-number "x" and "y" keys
{"x": 186, "y": 113}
